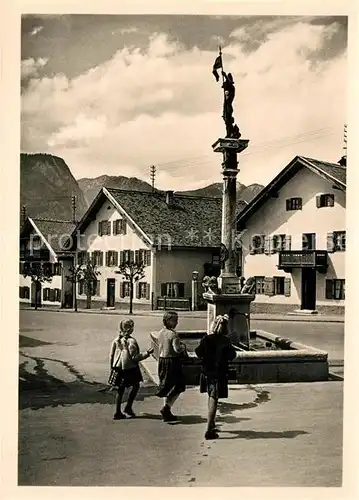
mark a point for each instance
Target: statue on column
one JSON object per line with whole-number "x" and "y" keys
{"x": 229, "y": 94}
{"x": 232, "y": 130}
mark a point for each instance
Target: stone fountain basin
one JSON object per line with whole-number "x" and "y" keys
{"x": 291, "y": 362}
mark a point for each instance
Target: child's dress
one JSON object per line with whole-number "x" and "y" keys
{"x": 126, "y": 370}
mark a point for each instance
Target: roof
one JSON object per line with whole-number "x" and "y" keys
{"x": 189, "y": 221}
{"x": 55, "y": 232}
{"x": 332, "y": 172}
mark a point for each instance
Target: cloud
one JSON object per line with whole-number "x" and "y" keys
{"x": 30, "y": 67}
{"x": 36, "y": 30}
{"x": 160, "y": 104}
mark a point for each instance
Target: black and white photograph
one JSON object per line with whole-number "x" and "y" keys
{"x": 182, "y": 240}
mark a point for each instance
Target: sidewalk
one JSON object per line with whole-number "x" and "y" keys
{"x": 313, "y": 318}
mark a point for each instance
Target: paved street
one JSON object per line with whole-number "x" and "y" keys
{"x": 270, "y": 435}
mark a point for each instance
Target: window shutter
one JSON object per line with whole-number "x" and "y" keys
{"x": 148, "y": 257}
{"x": 180, "y": 290}
{"x": 288, "y": 242}
{"x": 124, "y": 226}
{"x": 132, "y": 256}
{"x": 163, "y": 289}
{"x": 273, "y": 242}
{"x": 269, "y": 286}
{"x": 252, "y": 246}
{"x": 122, "y": 289}
{"x": 137, "y": 290}
{"x": 328, "y": 289}
{"x": 137, "y": 256}
{"x": 267, "y": 245}
{"x": 319, "y": 201}
{"x": 330, "y": 242}
{"x": 287, "y": 285}
{"x": 148, "y": 291}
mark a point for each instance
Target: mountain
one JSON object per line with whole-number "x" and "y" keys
{"x": 46, "y": 187}
{"x": 90, "y": 187}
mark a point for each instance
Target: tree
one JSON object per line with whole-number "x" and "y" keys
{"x": 90, "y": 281}
{"x": 39, "y": 272}
{"x": 132, "y": 271}
{"x": 86, "y": 274}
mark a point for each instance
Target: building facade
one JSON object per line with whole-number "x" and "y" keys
{"x": 46, "y": 241}
{"x": 293, "y": 237}
{"x": 174, "y": 235}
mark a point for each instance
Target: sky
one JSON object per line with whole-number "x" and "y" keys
{"x": 115, "y": 94}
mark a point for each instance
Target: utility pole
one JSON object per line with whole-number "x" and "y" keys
{"x": 345, "y": 139}
{"x": 23, "y": 212}
{"x": 73, "y": 209}
{"x": 153, "y": 176}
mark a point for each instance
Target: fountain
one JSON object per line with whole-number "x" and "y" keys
{"x": 261, "y": 356}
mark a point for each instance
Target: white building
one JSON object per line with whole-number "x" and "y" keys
{"x": 294, "y": 239}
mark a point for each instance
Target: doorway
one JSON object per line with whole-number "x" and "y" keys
{"x": 111, "y": 292}
{"x": 308, "y": 289}
{"x": 35, "y": 294}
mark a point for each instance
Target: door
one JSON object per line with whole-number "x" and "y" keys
{"x": 308, "y": 288}
{"x": 111, "y": 292}
{"x": 36, "y": 293}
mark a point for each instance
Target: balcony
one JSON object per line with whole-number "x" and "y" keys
{"x": 298, "y": 259}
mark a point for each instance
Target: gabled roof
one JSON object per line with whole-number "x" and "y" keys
{"x": 332, "y": 172}
{"x": 53, "y": 233}
{"x": 189, "y": 221}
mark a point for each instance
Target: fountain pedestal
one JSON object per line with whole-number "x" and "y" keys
{"x": 237, "y": 306}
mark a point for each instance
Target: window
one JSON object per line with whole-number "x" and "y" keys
{"x": 97, "y": 258}
{"x": 111, "y": 258}
{"x": 119, "y": 226}
{"x": 335, "y": 289}
{"x": 81, "y": 258}
{"x": 24, "y": 292}
{"x": 104, "y": 228}
{"x": 294, "y": 204}
{"x": 258, "y": 243}
{"x": 172, "y": 290}
{"x": 278, "y": 285}
{"x": 57, "y": 269}
{"x": 81, "y": 288}
{"x": 126, "y": 289}
{"x": 260, "y": 289}
{"x": 279, "y": 243}
{"x": 339, "y": 241}
{"x": 142, "y": 256}
{"x": 325, "y": 200}
{"x": 142, "y": 290}
{"x": 308, "y": 241}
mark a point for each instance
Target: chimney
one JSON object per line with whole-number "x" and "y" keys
{"x": 169, "y": 198}
{"x": 343, "y": 161}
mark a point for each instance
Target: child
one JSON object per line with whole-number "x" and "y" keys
{"x": 215, "y": 350}
{"x": 170, "y": 372}
{"x": 125, "y": 370}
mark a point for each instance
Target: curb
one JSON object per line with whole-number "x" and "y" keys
{"x": 193, "y": 314}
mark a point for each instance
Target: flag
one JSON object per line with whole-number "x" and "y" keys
{"x": 217, "y": 64}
